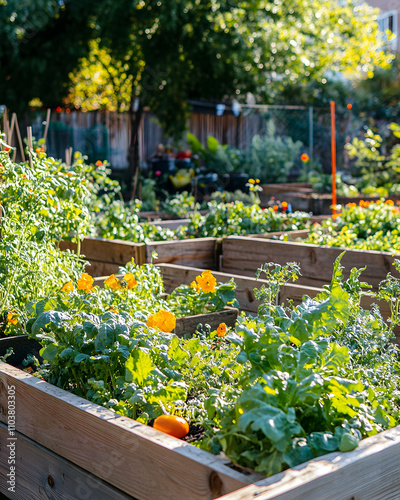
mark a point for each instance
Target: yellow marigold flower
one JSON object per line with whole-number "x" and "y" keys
{"x": 130, "y": 280}
{"x": 11, "y": 319}
{"x": 112, "y": 282}
{"x": 85, "y": 282}
{"x": 389, "y": 202}
{"x": 251, "y": 181}
{"x": 221, "y": 330}
{"x": 206, "y": 282}
{"x": 284, "y": 204}
{"x": 164, "y": 320}
{"x": 195, "y": 286}
{"x": 68, "y": 287}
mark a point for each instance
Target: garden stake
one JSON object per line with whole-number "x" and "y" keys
{"x": 333, "y": 156}
{"x": 46, "y": 129}
{"x": 21, "y": 145}
{"x": 30, "y": 146}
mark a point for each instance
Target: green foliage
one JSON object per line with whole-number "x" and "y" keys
{"x": 310, "y": 386}
{"x": 368, "y": 226}
{"x": 372, "y": 167}
{"x": 270, "y": 157}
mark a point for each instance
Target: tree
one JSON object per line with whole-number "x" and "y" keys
{"x": 40, "y": 44}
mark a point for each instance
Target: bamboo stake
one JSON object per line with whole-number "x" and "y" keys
{"x": 21, "y": 144}
{"x": 5, "y": 125}
{"x": 11, "y": 131}
{"x": 70, "y": 155}
{"x": 30, "y": 146}
{"x": 46, "y": 128}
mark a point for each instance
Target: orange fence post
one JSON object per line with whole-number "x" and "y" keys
{"x": 333, "y": 157}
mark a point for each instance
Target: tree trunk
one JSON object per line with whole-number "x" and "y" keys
{"x": 133, "y": 150}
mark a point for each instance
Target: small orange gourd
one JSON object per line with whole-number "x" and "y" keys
{"x": 172, "y": 425}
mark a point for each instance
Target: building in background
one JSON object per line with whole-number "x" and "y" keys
{"x": 389, "y": 19}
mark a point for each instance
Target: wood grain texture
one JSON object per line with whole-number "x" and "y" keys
{"x": 135, "y": 458}
{"x": 189, "y": 324}
{"x": 243, "y": 255}
{"x": 43, "y": 475}
{"x": 198, "y": 252}
{"x": 175, "y": 275}
{"x": 370, "y": 472}
{"x": 117, "y": 252}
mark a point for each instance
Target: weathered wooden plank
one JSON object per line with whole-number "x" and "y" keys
{"x": 175, "y": 275}
{"x": 291, "y": 235}
{"x": 133, "y": 457}
{"x": 170, "y": 224}
{"x": 189, "y": 324}
{"x": 198, "y": 252}
{"x": 117, "y": 252}
{"x": 370, "y": 472}
{"x": 42, "y": 475}
{"x": 244, "y": 255}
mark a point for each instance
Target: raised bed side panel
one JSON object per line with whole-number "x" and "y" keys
{"x": 175, "y": 275}
{"x": 198, "y": 252}
{"x": 242, "y": 255}
{"x": 106, "y": 256}
{"x": 370, "y": 472}
{"x": 42, "y": 475}
{"x": 132, "y": 457}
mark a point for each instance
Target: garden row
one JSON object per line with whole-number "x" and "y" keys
{"x": 68, "y": 447}
{"x": 106, "y": 346}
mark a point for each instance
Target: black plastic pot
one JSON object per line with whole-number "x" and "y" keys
{"x": 22, "y": 345}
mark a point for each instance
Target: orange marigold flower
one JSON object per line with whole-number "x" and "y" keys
{"x": 361, "y": 203}
{"x": 112, "y": 282}
{"x": 351, "y": 205}
{"x": 366, "y": 204}
{"x": 275, "y": 208}
{"x": 349, "y": 106}
{"x": 85, "y": 282}
{"x": 39, "y": 150}
{"x": 68, "y": 287}
{"x": 164, "y": 320}
{"x": 206, "y": 282}
{"x": 389, "y": 202}
{"x": 130, "y": 280}
{"x": 258, "y": 181}
{"x": 304, "y": 157}
{"x": 24, "y": 176}
{"x": 70, "y": 174}
{"x": 114, "y": 309}
{"x": 11, "y": 319}
{"x": 6, "y": 148}
{"x": 221, "y": 330}
{"x": 99, "y": 163}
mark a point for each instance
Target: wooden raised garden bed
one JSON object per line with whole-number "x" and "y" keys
{"x": 106, "y": 256}
{"x": 66, "y": 447}
{"x": 242, "y": 255}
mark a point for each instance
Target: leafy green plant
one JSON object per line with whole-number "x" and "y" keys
{"x": 367, "y": 226}
{"x": 311, "y": 385}
{"x": 270, "y": 157}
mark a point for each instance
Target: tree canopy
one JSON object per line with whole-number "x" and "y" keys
{"x": 166, "y": 52}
